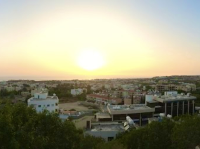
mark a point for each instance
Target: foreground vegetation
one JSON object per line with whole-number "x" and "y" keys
{"x": 63, "y": 91}
{"x": 21, "y": 127}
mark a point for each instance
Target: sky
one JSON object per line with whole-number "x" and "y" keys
{"x": 88, "y": 39}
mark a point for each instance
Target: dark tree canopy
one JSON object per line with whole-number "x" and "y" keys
{"x": 22, "y": 128}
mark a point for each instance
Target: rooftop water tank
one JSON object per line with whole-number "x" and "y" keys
{"x": 129, "y": 120}
{"x": 169, "y": 116}
{"x": 162, "y": 114}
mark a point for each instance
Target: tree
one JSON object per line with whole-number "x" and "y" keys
{"x": 81, "y": 96}
{"x": 90, "y": 142}
{"x": 186, "y": 133}
{"x": 22, "y": 127}
{"x": 89, "y": 90}
{"x": 159, "y": 134}
{"x": 115, "y": 144}
{"x": 154, "y": 136}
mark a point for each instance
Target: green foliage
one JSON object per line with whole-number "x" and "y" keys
{"x": 8, "y": 94}
{"x": 186, "y": 134}
{"x": 89, "y": 90}
{"x": 159, "y": 134}
{"x": 70, "y": 118}
{"x": 81, "y": 97}
{"x": 26, "y": 85}
{"x": 22, "y": 127}
{"x": 148, "y": 87}
{"x": 135, "y": 139}
{"x": 197, "y": 95}
{"x": 111, "y": 145}
{"x": 62, "y": 90}
{"x": 90, "y": 142}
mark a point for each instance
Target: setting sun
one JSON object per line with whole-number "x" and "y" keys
{"x": 90, "y": 60}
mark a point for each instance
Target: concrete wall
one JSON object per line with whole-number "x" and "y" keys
{"x": 48, "y": 104}
{"x": 76, "y": 91}
{"x": 41, "y": 95}
{"x": 102, "y": 134}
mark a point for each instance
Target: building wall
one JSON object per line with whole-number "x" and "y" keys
{"x": 48, "y": 104}
{"x": 103, "y": 134}
{"x": 10, "y": 88}
{"x": 171, "y": 87}
{"x": 76, "y": 91}
{"x": 180, "y": 108}
{"x": 41, "y": 95}
{"x": 174, "y": 108}
{"x": 127, "y": 101}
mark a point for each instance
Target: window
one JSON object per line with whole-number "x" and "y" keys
{"x": 48, "y": 105}
{"x": 39, "y": 106}
{"x": 56, "y": 104}
{"x": 52, "y": 105}
{"x": 110, "y": 138}
{"x": 56, "y": 110}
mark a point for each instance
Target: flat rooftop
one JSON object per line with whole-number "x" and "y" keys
{"x": 129, "y": 109}
{"x": 41, "y": 99}
{"x": 103, "y": 115}
{"x": 174, "y": 98}
{"x": 107, "y": 127}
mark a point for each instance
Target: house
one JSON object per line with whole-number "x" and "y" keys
{"x": 42, "y": 101}
{"x": 78, "y": 91}
{"x": 104, "y": 98}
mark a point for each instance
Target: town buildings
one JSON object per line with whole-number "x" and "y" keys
{"x": 107, "y": 130}
{"x": 169, "y": 105}
{"x": 139, "y": 113}
{"x": 172, "y": 103}
{"x": 41, "y": 101}
{"x": 104, "y": 99}
{"x": 187, "y": 87}
{"x": 78, "y": 91}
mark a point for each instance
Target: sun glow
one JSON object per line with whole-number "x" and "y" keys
{"x": 90, "y": 60}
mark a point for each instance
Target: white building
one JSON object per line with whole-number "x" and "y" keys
{"x": 107, "y": 130}
{"x": 18, "y": 88}
{"x": 9, "y": 88}
{"x": 107, "y": 86}
{"x": 75, "y": 92}
{"x": 41, "y": 101}
{"x": 3, "y": 82}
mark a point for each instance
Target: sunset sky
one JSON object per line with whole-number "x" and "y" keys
{"x": 86, "y": 39}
